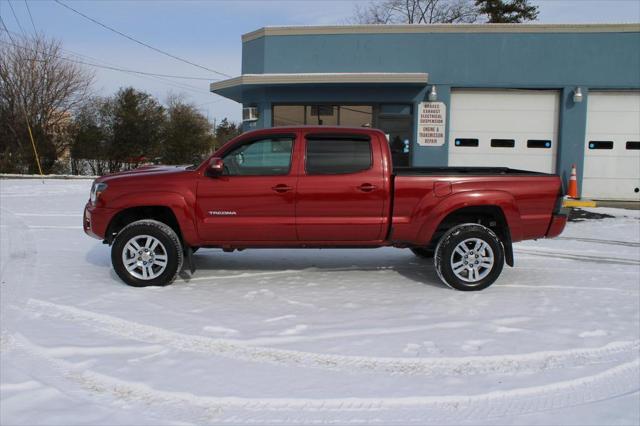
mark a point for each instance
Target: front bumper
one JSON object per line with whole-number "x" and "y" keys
{"x": 558, "y": 222}
{"x": 95, "y": 220}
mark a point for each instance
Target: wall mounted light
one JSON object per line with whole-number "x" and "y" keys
{"x": 433, "y": 94}
{"x": 577, "y": 95}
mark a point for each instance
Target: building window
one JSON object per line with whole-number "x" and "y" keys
{"x": 337, "y": 156}
{"x": 356, "y": 115}
{"x": 600, "y": 145}
{"x": 288, "y": 115}
{"x": 503, "y": 143}
{"x": 323, "y": 115}
{"x": 395, "y": 120}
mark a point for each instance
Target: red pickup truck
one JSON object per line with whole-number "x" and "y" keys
{"x": 305, "y": 187}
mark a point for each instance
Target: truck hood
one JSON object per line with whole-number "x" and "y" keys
{"x": 143, "y": 172}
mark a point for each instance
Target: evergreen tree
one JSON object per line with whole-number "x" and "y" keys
{"x": 137, "y": 120}
{"x": 187, "y": 134}
{"x": 226, "y": 131}
{"x": 507, "y": 11}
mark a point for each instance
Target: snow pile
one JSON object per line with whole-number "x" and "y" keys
{"x": 312, "y": 336}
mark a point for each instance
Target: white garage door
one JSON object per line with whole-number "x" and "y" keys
{"x": 612, "y": 146}
{"x": 504, "y": 128}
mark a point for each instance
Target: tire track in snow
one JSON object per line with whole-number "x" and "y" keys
{"x": 577, "y": 256}
{"x": 454, "y": 366}
{"x": 615, "y": 381}
{"x": 599, "y": 241}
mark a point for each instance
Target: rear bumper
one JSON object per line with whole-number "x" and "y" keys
{"x": 95, "y": 220}
{"x": 558, "y": 222}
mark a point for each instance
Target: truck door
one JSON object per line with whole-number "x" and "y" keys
{"x": 253, "y": 200}
{"x": 341, "y": 189}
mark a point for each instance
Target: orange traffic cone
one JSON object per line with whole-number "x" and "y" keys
{"x": 573, "y": 184}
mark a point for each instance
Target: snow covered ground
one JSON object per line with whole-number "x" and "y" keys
{"x": 313, "y": 336}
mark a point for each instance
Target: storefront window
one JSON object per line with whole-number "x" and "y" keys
{"x": 321, "y": 115}
{"x": 356, "y": 115}
{"x": 395, "y": 120}
{"x": 288, "y": 115}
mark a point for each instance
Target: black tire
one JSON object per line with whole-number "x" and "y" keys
{"x": 423, "y": 252}
{"x": 170, "y": 242}
{"x": 445, "y": 250}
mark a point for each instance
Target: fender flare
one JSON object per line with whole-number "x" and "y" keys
{"x": 182, "y": 209}
{"x": 482, "y": 198}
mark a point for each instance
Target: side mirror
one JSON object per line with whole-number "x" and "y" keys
{"x": 216, "y": 166}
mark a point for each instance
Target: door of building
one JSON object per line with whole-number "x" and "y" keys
{"x": 504, "y": 128}
{"x": 612, "y": 146}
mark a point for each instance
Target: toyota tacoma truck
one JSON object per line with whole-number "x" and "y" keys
{"x": 320, "y": 187}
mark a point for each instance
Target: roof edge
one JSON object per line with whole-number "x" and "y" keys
{"x": 322, "y": 78}
{"x": 440, "y": 28}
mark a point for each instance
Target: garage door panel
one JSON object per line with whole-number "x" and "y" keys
{"x": 613, "y": 118}
{"x": 612, "y": 167}
{"x": 511, "y": 121}
{"x": 613, "y": 102}
{"x": 537, "y": 163}
{"x": 520, "y": 115}
{"x": 505, "y": 100}
{"x": 600, "y": 122}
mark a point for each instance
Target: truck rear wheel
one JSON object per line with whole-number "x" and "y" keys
{"x": 147, "y": 253}
{"x": 469, "y": 257}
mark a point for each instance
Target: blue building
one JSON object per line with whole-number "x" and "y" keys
{"x": 536, "y": 97}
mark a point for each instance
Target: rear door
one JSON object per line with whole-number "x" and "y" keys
{"x": 341, "y": 189}
{"x": 254, "y": 198}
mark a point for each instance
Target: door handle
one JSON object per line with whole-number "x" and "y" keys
{"x": 367, "y": 187}
{"x": 281, "y": 188}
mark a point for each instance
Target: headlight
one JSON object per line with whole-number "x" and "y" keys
{"x": 96, "y": 190}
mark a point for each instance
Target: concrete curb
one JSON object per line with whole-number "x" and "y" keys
{"x": 579, "y": 203}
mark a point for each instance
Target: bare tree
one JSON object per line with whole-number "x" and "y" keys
{"x": 416, "y": 12}
{"x": 37, "y": 85}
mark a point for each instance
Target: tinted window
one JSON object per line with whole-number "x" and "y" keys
{"x": 466, "y": 142}
{"x": 503, "y": 143}
{"x": 633, "y": 145}
{"x": 537, "y": 143}
{"x": 600, "y": 145}
{"x": 259, "y": 158}
{"x": 337, "y": 156}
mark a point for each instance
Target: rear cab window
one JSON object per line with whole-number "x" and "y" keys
{"x": 337, "y": 154}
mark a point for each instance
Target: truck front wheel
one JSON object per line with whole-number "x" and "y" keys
{"x": 147, "y": 253}
{"x": 469, "y": 257}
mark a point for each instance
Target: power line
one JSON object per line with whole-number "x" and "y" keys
{"x": 114, "y": 68}
{"x": 110, "y": 66}
{"x": 30, "y": 16}
{"x": 140, "y": 74}
{"x": 138, "y": 41}
{"x": 16, "y": 18}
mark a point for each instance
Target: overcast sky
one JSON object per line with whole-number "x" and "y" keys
{"x": 208, "y": 33}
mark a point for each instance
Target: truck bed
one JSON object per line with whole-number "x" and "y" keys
{"x": 464, "y": 171}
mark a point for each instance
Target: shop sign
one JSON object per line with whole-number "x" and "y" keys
{"x": 432, "y": 119}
